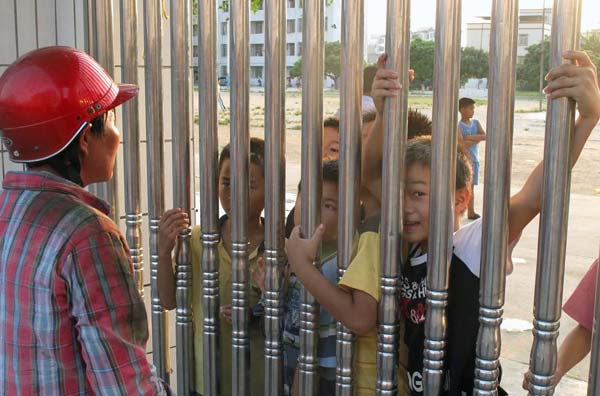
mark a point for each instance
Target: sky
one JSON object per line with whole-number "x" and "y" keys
{"x": 423, "y": 13}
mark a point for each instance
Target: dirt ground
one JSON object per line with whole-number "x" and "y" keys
{"x": 528, "y": 144}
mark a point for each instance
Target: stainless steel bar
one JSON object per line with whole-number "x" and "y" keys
{"x": 350, "y": 161}
{"x": 594, "y": 377}
{"x": 395, "y": 126}
{"x": 131, "y": 142}
{"x": 101, "y": 48}
{"x": 181, "y": 130}
{"x": 240, "y": 156}
{"x": 209, "y": 194}
{"x": 312, "y": 142}
{"x": 441, "y": 202}
{"x": 501, "y": 95}
{"x": 156, "y": 179}
{"x": 560, "y": 124}
{"x": 275, "y": 43}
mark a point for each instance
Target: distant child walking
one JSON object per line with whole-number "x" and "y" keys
{"x": 472, "y": 133}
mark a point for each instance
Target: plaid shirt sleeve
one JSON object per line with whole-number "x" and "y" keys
{"x": 109, "y": 317}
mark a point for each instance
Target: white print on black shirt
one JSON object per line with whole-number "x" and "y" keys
{"x": 413, "y": 299}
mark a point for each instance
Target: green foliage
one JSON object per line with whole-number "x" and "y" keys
{"x": 255, "y": 4}
{"x": 474, "y": 63}
{"x": 421, "y": 60}
{"x": 590, "y": 43}
{"x": 333, "y": 56}
{"x": 528, "y": 71}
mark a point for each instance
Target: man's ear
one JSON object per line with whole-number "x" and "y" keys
{"x": 462, "y": 196}
{"x": 84, "y": 141}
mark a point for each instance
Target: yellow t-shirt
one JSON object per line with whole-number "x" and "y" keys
{"x": 256, "y": 334}
{"x": 363, "y": 275}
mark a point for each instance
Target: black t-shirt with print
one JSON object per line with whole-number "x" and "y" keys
{"x": 462, "y": 313}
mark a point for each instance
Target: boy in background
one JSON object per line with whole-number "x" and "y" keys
{"x": 472, "y": 133}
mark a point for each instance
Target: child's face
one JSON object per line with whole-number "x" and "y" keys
{"x": 256, "y": 202}
{"x": 329, "y": 210}
{"x": 467, "y": 111}
{"x": 416, "y": 204}
{"x": 331, "y": 143}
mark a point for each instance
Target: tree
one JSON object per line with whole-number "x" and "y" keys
{"x": 528, "y": 71}
{"x": 256, "y": 4}
{"x": 333, "y": 55}
{"x": 590, "y": 43}
{"x": 474, "y": 63}
{"x": 421, "y": 61}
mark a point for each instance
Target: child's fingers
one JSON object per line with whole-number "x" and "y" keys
{"x": 386, "y": 74}
{"x": 411, "y": 74}
{"x": 381, "y": 61}
{"x": 387, "y": 84}
{"x": 564, "y": 70}
{"x": 570, "y": 92}
{"x": 317, "y": 237}
{"x": 562, "y": 82}
{"x": 582, "y": 58}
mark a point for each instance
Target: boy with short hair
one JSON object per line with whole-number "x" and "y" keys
{"x": 472, "y": 134}
{"x": 354, "y": 302}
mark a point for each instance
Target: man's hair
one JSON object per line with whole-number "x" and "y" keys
{"x": 464, "y": 102}
{"x": 418, "y": 152}
{"x": 331, "y": 173}
{"x": 368, "y": 77}
{"x": 257, "y": 154}
{"x": 418, "y": 124}
{"x": 331, "y": 122}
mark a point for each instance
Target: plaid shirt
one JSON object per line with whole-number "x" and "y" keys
{"x": 71, "y": 319}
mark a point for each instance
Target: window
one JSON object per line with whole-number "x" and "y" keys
{"x": 256, "y": 27}
{"x": 256, "y": 50}
{"x": 256, "y": 72}
{"x": 195, "y": 29}
{"x": 290, "y": 26}
{"x": 195, "y": 51}
{"x": 224, "y": 50}
{"x": 300, "y": 25}
{"x": 223, "y": 71}
{"x": 523, "y": 40}
{"x": 291, "y": 49}
{"x": 291, "y": 3}
{"x": 326, "y": 23}
{"x": 224, "y": 28}
{"x": 299, "y": 49}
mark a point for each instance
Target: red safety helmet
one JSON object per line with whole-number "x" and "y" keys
{"x": 48, "y": 96}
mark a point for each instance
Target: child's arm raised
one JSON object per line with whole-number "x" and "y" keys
{"x": 171, "y": 224}
{"x": 578, "y": 81}
{"x": 355, "y": 309}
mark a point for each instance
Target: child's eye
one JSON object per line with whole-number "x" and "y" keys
{"x": 419, "y": 194}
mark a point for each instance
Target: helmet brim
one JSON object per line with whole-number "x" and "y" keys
{"x": 126, "y": 92}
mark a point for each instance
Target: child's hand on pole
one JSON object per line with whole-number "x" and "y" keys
{"x": 385, "y": 84}
{"x": 172, "y": 223}
{"x": 577, "y": 80}
{"x": 302, "y": 251}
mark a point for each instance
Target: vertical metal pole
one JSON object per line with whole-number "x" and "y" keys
{"x": 131, "y": 142}
{"x": 312, "y": 142}
{"x": 240, "y": 156}
{"x": 594, "y": 378}
{"x": 542, "y": 53}
{"x": 560, "y": 125}
{"x": 156, "y": 180}
{"x": 395, "y": 122}
{"x": 209, "y": 199}
{"x": 501, "y": 95}
{"x": 101, "y": 48}
{"x": 180, "y": 126}
{"x": 350, "y": 160}
{"x": 275, "y": 15}
{"x": 441, "y": 202}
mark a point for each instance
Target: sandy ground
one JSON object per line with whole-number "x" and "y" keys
{"x": 584, "y": 230}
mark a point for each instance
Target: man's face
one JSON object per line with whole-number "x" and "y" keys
{"x": 331, "y": 143}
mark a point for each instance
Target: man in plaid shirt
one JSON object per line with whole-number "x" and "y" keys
{"x": 71, "y": 319}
